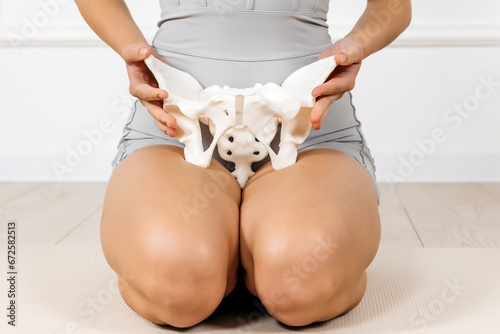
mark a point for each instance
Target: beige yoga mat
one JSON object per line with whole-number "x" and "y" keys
{"x": 71, "y": 289}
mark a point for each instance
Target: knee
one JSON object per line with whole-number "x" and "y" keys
{"x": 319, "y": 299}
{"x": 301, "y": 282}
{"x": 181, "y": 283}
{"x": 182, "y": 308}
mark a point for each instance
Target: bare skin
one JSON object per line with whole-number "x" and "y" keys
{"x": 175, "y": 258}
{"x": 306, "y": 264}
{"x": 308, "y": 232}
{"x": 175, "y": 233}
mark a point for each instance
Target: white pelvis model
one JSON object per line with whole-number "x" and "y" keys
{"x": 243, "y": 122}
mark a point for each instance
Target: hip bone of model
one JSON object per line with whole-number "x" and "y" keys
{"x": 243, "y": 122}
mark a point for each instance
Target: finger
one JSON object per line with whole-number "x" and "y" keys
{"x": 339, "y": 84}
{"x": 321, "y": 108}
{"x": 333, "y": 98}
{"x": 136, "y": 52}
{"x": 349, "y": 56}
{"x": 161, "y": 126}
{"x": 146, "y": 92}
{"x": 172, "y": 132}
{"x": 160, "y": 114}
{"x": 341, "y": 59}
{"x": 156, "y": 110}
{"x": 165, "y": 129}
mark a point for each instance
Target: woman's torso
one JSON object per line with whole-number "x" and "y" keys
{"x": 238, "y": 42}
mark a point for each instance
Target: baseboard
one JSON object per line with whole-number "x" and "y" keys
{"x": 448, "y": 34}
{"x": 416, "y": 166}
{"x": 54, "y": 166}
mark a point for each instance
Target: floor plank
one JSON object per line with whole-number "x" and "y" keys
{"x": 87, "y": 232}
{"x": 493, "y": 188}
{"x": 412, "y": 214}
{"x": 452, "y": 214}
{"x": 48, "y": 212}
{"x": 397, "y": 229}
{"x": 10, "y": 190}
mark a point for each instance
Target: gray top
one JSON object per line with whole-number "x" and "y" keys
{"x": 245, "y": 30}
{"x": 239, "y": 43}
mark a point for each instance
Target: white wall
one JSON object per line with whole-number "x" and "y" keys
{"x": 59, "y": 81}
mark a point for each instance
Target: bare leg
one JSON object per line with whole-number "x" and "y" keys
{"x": 308, "y": 232}
{"x": 170, "y": 232}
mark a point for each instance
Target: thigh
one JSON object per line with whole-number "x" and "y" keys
{"x": 309, "y": 230}
{"x": 169, "y": 230}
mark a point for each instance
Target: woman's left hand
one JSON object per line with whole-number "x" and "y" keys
{"x": 348, "y": 56}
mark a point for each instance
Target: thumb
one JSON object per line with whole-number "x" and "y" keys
{"x": 342, "y": 58}
{"x": 136, "y": 52}
{"x": 348, "y": 57}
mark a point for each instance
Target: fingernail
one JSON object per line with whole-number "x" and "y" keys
{"x": 142, "y": 52}
{"x": 343, "y": 58}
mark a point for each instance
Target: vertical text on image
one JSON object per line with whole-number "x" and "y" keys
{"x": 12, "y": 289}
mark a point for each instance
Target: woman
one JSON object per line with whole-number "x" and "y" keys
{"x": 304, "y": 235}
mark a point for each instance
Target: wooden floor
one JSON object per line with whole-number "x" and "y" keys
{"x": 438, "y": 239}
{"x": 454, "y": 215}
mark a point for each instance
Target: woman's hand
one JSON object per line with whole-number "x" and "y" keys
{"x": 348, "y": 56}
{"x": 143, "y": 85}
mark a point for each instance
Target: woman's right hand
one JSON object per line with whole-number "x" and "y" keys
{"x": 144, "y": 86}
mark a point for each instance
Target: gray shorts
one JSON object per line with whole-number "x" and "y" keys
{"x": 340, "y": 130}
{"x": 241, "y": 43}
